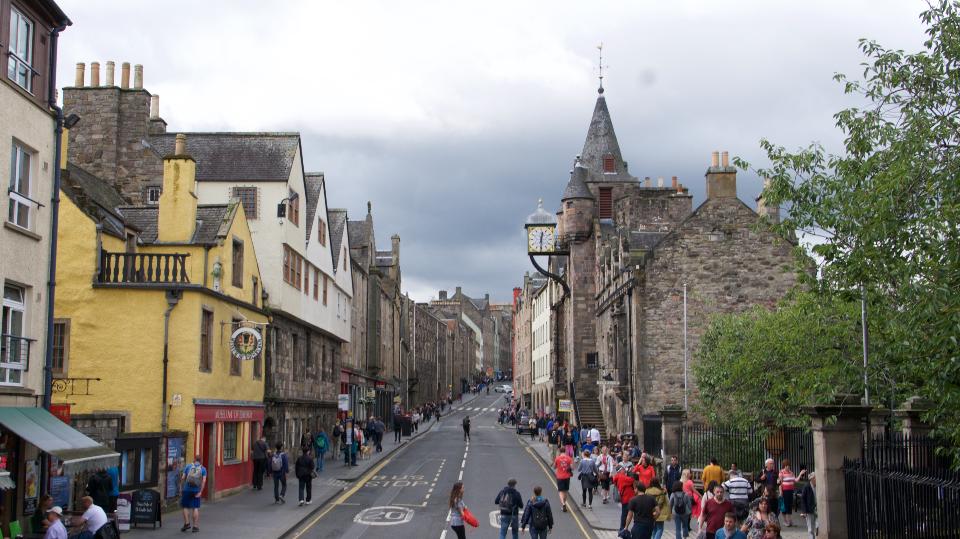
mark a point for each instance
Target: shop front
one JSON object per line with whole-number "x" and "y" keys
{"x": 223, "y": 435}
{"x": 368, "y": 396}
{"x": 28, "y": 438}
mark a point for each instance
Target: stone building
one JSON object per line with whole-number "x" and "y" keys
{"x": 635, "y": 248}
{"x": 425, "y": 366}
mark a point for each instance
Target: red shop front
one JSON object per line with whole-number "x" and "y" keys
{"x": 224, "y": 432}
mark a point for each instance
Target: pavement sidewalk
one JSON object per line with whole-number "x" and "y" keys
{"x": 605, "y": 518}
{"x": 253, "y": 514}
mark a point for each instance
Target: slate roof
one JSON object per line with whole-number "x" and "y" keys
{"x": 95, "y": 197}
{"x": 314, "y": 186}
{"x": 480, "y": 303}
{"x": 338, "y": 220}
{"x": 358, "y": 233}
{"x": 577, "y": 187}
{"x": 213, "y": 222}
{"x": 236, "y": 156}
{"x": 602, "y": 140}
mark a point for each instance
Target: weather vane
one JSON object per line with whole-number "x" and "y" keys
{"x": 600, "y": 48}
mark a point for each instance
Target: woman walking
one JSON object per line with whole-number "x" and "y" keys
{"x": 758, "y": 520}
{"x": 587, "y": 473}
{"x": 456, "y": 510}
{"x": 691, "y": 491}
{"x": 568, "y": 441}
{"x": 787, "y": 481}
{"x": 607, "y": 466}
{"x": 304, "y": 469}
{"x": 663, "y": 504}
{"x": 680, "y": 507}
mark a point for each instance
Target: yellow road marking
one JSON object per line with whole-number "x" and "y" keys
{"x": 554, "y": 483}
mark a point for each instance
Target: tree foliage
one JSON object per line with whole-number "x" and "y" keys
{"x": 762, "y": 366}
{"x": 887, "y": 210}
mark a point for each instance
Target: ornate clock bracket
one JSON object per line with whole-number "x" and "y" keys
{"x": 554, "y": 276}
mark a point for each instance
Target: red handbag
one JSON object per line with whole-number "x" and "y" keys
{"x": 469, "y": 518}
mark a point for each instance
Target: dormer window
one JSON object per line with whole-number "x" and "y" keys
{"x": 609, "y": 165}
{"x": 153, "y": 195}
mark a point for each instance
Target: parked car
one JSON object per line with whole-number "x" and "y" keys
{"x": 503, "y": 388}
{"x": 523, "y": 425}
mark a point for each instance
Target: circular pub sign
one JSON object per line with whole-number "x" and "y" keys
{"x": 246, "y": 343}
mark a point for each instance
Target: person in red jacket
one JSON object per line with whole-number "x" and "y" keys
{"x": 563, "y": 467}
{"x": 623, "y": 482}
{"x": 645, "y": 472}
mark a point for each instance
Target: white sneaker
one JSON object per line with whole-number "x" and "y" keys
{"x": 300, "y": 503}
{"x": 309, "y": 502}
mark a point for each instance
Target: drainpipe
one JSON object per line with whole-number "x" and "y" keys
{"x": 54, "y": 224}
{"x": 173, "y": 297}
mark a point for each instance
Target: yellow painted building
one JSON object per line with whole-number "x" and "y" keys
{"x": 148, "y": 298}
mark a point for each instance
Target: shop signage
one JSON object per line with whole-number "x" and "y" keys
{"x": 371, "y": 394}
{"x": 565, "y": 405}
{"x": 61, "y": 412}
{"x": 32, "y": 483}
{"x": 380, "y": 385}
{"x": 233, "y": 414}
{"x": 124, "y": 503}
{"x": 145, "y": 508}
{"x": 60, "y": 490}
{"x": 207, "y": 413}
{"x": 246, "y": 343}
{"x": 343, "y": 402}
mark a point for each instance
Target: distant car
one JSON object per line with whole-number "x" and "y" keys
{"x": 523, "y": 425}
{"x": 503, "y": 388}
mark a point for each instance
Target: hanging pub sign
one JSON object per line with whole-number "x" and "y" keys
{"x": 246, "y": 343}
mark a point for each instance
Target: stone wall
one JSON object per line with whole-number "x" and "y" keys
{"x": 356, "y": 350}
{"x": 729, "y": 263}
{"x": 651, "y": 208}
{"x": 103, "y": 427}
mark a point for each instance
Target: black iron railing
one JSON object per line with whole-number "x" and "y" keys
{"x": 898, "y": 450}
{"x": 748, "y": 448}
{"x": 154, "y": 268}
{"x": 15, "y": 349}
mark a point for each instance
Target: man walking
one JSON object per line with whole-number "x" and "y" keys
{"x": 642, "y": 512}
{"x": 537, "y": 515}
{"x": 672, "y": 474}
{"x": 715, "y": 511}
{"x": 510, "y": 503}
{"x": 193, "y": 479}
{"x": 336, "y": 433}
{"x": 738, "y": 492}
{"x": 279, "y": 467}
{"x": 320, "y": 446}
{"x": 378, "y": 429}
{"x": 466, "y": 428}
{"x": 563, "y": 468}
{"x": 260, "y": 449}
{"x": 397, "y": 424}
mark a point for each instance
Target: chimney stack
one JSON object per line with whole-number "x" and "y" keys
{"x": 125, "y": 75}
{"x": 459, "y": 290}
{"x": 395, "y": 249}
{"x": 721, "y": 180}
{"x": 673, "y": 183}
{"x": 94, "y": 74}
{"x": 108, "y": 81}
{"x": 138, "y": 77}
{"x": 659, "y": 181}
{"x": 78, "y": 79}
{"x": 443, "y": 295}
{"x": 155, "y": 107}
{"x": 177, "y": 214}
{"x": 763, "y": 209}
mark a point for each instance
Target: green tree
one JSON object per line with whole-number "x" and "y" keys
{"x": 763, "y": 365}
{"x": 887, "y": 210}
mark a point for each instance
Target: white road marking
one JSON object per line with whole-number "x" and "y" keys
{"x": 460, "y": 478}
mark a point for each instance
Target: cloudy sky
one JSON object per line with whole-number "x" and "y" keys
{"x": 454, "y": 117}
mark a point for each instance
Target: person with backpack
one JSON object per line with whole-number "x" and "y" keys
{"x": 466, "y": 428}
{"x": 321, "y": 444}
{"x": 335, "y": 438}
{"x": 680, "y": 507}
{"x": 538, "y": 515}
{"x": 510, "y": 503}
{"x": 304, "y": 470}
{"x": 279, "y": 467}
{"x": 193, "y": 479}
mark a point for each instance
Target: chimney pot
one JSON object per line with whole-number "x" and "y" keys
{"x": 180, "y": 146}
{"x": 715, "y": 159}
{"x": 78, "y": 79}
{"x": 155, "y": 106}
{"x": 94, "y": 74}
{"x": 646, "y": 182}
{"x": 659, "y": 181}
{"x": 138, "y": 77}
{"x": 108, "y": 80}
{"x": 726, "y": 159}
{"x": 673, "y": 183}
{"x": 125, "y": 75}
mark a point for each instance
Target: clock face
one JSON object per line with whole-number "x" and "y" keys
{"x": 540, "y": 239}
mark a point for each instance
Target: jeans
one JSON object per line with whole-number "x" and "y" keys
{"x": 538, "y": 534}
{"x": 378, "y": 440}
{"x": 320, "y": 459}
{"x": 683, "y": 526}
{"x": 658, "y": 530}
{"x": 306, "y": 484}
{"x": 396, "y": 434}
{"x": 811, "y": 525}
{"x": 279, "y": 480}
{"x": 641, "y": 530}
{"x": 508, "y": 522}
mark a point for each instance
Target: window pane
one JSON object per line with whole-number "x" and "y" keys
{"x": 128, "y": 472}
{"x": 146, "y": 465}
{"x": 229, "y": 441}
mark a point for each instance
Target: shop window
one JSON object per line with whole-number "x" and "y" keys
{"x": 230, "y": 441}
{"x": 61, "y": 345}
{"x": 138, "y": 462}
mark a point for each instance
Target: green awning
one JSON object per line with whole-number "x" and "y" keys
{"x": 76, "y": 451}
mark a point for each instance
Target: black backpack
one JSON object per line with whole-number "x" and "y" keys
{"x": 538, "y": 517}
{"x": 679, "y": 504}
{"x": 506, "y": 502}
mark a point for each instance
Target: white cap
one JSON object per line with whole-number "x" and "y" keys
{"x": 56, "y": 509}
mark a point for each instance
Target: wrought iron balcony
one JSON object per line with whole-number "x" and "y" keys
{"x": 15, "y": 349}
{"x": 143, "y": 268}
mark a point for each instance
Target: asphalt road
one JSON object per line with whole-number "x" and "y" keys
{"x": 406, "y": 494}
